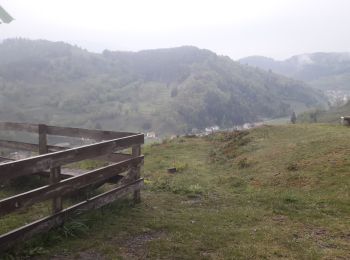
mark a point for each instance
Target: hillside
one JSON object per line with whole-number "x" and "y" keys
{"x": 307, "y": 67}
{"x": 164, "y": 90}
{"x": 273, "y": 192}
{"x": 331, "y": 115}
{"x": 329, "y": 72}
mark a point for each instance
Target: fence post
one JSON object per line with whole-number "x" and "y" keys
{"x": 42, "y": 130}
{"x": 136, "y": 151}
{"x": 55, "y": 176}
{"x": 55, "y": 173}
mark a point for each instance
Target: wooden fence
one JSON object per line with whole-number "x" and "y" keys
{"x": 122, "y": 169}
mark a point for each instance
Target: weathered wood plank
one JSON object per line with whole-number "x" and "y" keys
{"x": 114, "y": 157}
{"x": 97, "y": 135}
{"x": 23, "y": 127}
{"x": 39, "y": 163}
{"x": 136, "y": 151}
{"x": 66, "y": 186}
{"x": 42, "y": 139}
{"x": 65, "y": 173}
{"x": 28, "y": 146}
{"x": 5, "y": 159}
{"x": 21, "y": 234}
{"x": 71, "y": 172}
{"x": 18, "y": 145}
{"x": 55, "y": 177}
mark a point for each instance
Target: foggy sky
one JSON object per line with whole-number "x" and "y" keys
{"x": 238, "y": 28}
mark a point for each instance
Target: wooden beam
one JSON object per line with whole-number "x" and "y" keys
{"x": 5, "y": 159}
{"x": 43, "y": 225}
{"x": 66, "y": 186}
{"x": 18, "y": 145}
{"x": 97, "y": 135}
{"x": 55, "y": 177}
{"x": 10, "y": 170}
{"x": 136, "y": 151}
{"x": 28, "y": 146}
{"x": 22, "y": 127}
{"x": 42, "y": 131}
{"x": 114, "y": 157}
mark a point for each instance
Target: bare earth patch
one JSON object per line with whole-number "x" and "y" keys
{"x": 136, "y": 247}
{"x": 280, "y": 218}
{"x": 86, "y": 255}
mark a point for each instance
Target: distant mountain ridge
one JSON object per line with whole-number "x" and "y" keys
{"x": 165, "y": 90}
{"x": 326, "y": 71}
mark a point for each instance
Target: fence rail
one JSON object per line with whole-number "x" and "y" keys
{"x": 123, "y": 170}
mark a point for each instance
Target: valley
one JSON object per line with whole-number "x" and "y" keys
{"x": 167, "y": 91}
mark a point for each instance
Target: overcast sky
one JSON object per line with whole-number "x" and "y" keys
{"x": 238, "y": 28}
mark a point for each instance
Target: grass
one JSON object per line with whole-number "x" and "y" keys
{"x": 330, "y": 116}
{"x": 274, "y": 192}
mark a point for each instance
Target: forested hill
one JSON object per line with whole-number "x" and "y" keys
{"x": 327, "y": 71}
{"x": 165, "y": 90}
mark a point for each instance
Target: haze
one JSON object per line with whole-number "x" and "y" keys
{"x": 272, "y": 28}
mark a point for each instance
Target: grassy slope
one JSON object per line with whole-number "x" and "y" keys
{"x": 278, "y": 192}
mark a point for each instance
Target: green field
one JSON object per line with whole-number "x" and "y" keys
{"x": 331, "y": 116}
{"x": 275, "y": 192}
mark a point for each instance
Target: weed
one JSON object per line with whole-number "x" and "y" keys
{"x": 292, "y": 167}
{"x": 195, "y": 189}
{"x": 74, "y": 228}
{"x": 181, "y": 167}
{"x": 243, "y": 163}
{"x": 34, "y": 251}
